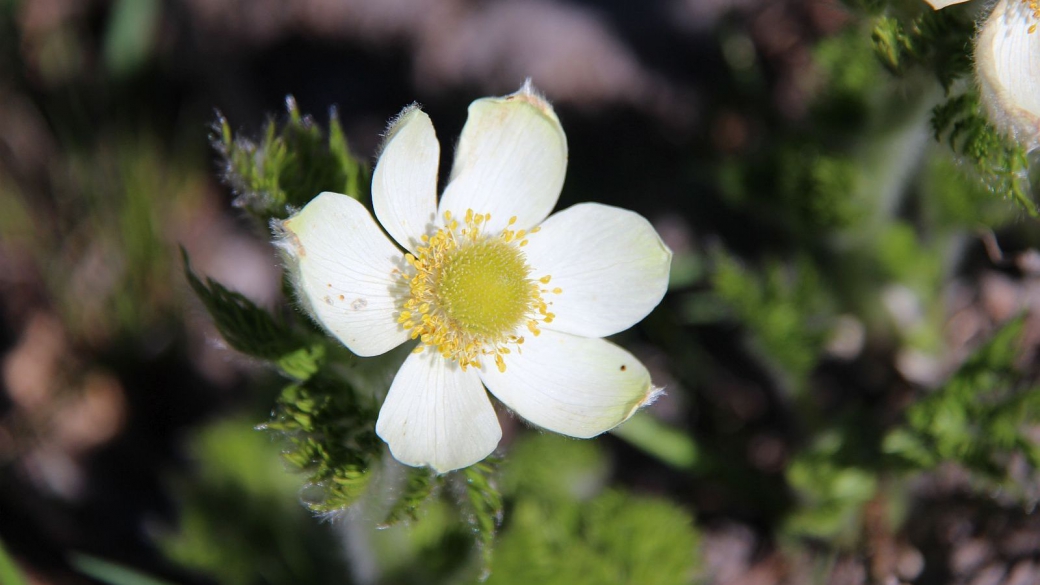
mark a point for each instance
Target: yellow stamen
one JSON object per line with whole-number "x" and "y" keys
{"x": 471, "y": 292}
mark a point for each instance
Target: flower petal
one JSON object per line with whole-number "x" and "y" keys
{"x": 572, "y": 385}
{"x": 404, "y": 184}
{"x": 511, "y": 161}
{"x": 435, "y": 414}
{"x": 940, "y": 4}
{"x": 609, "y": 264}
{"x": 1007, "y": 61}
{"x": 345, "y": 271}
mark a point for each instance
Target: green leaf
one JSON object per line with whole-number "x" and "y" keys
{"x": 331, "y": 437}
{"x": 937, "y": 40}
{"x": 614, "y": 538}
{"x": 1000, "y": 164}
{"x": 131, "y": 34}
{"x": 485, "y": 505}
{"x": 9, "y": 571}
{"x": 418, "y": 486}
{"x": 786, "y": 309}
{"x": 255, "y": 332}
{"x": 978, "y": 417}
{"x": 290, "y": 165}
{"x": 112, "y": 573}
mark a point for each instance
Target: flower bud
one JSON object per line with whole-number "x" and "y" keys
{"x": 1007, "y": 64}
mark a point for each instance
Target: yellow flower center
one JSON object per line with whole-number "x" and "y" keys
{"x": 483, "y": 287}
{"x": 1034, "y": 7}
{"x": 472, "y": 293}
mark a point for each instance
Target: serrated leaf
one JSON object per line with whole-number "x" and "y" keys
{"x": 1000, "y": 164}
{"x": 418, "y": 486}
{"x": 331, "y": 437}
{"x": 485, "y": 505}
{"x": 978, "y": 417}
{"x": 253, "y": 331}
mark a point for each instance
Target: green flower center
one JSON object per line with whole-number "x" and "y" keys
{"x": 471, "y": 292}
{"x": 484, "y": 287}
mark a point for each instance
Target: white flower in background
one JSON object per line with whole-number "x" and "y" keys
{"x": 495, "y": 296}
{"x": 1007, "y": 64}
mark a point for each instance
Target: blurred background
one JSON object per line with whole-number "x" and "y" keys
{"x": 835, "y": 267}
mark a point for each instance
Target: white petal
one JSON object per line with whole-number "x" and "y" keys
{"x": 940, "y": 4}
{"x": 404, "y": 184}
{"x": 609, "y": 263}
{"x": 572, "y": 385}
{"x": 435, "y": 414}
{"x": 511, "y": 161}
{"x": 1007, "y": 60}
{"x": 346, "y": 272}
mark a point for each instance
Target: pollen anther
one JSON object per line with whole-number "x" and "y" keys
{"x": 471, "y": 292}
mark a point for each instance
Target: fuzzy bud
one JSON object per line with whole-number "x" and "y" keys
{"x": 1007, "y": 64}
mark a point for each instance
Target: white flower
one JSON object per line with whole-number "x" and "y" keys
{"x": 496, "y": 296}
{"x": 1007, "y": 64}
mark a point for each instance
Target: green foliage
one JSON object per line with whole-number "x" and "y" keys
{"x": 484, "y": 504}
{"x": 112, "y": 573}
{"x": 563, "y": 529}
{"x": 669, "y": 444}
{"x": 254, "y": 331}
{"x": 801, "y": 185}
{"x": 292, "y": 163}
{"x": 613, "y": 538}
{"x": 130, "y": 38}
{"x": 942, "y": 41}
{"x": 9, "y": 571}
{"x": 1001, "y": 165}
{"x": 977, "y": 418}
{"x": 419, "y": 484}
{"x": 553, "y": 467}
{"x": 832, "y": 485}
{"x": 331, "y": 436}
{"x": 240, "y": 522}
{"x": 937, "y": 40}
{"x": 786, "y": 309}
{"x": 955, "y": 201}
{"x": 818, "y": 186}
{"x": 904, "y": 259}
{"x": 851, "y": 79}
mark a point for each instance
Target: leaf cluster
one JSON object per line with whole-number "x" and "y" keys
{"x": 785, "y": 308}
{"x": 978, "y": 418}
{"x": 941, "y": 41}
{"x": 937, "y": 40}
{"x": 563, "y": 528}
{"x": 1000, "y": 164}
{"x": 293, "y": 162}
{"x": 254, "y": 331}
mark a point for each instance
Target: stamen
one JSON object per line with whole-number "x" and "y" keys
{"x": 470, "y": 291}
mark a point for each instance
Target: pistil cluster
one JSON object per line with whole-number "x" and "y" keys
{"x": 471, "y": 293}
